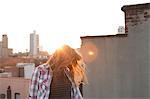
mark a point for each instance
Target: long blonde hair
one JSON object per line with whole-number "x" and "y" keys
{"x": 67, "y": 57}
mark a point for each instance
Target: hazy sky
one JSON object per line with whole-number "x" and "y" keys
{"x": 58, "y": 21}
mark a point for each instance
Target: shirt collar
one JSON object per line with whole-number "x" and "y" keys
{"x": 46, "y": 65}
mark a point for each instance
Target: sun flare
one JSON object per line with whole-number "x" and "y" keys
{"x": 59, "y": 41}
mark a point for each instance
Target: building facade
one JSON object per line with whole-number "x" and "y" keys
{"x": 34, "y": 44}
{"x": 0, "y": 49}
{"x": 118, "y": 66}
{"x": 4, "y": 50}
{"x": 19, "y": 87}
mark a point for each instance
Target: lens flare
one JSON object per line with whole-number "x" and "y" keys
{"x": 89, "y": 51}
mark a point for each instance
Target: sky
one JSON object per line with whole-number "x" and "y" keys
{"x": 59, "y": 21}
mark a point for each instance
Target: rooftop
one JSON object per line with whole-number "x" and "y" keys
{"x": 12, "y": 61}
{"x": 97, "y": 36}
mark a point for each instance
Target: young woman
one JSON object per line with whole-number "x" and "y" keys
{"x": 60, "y": 77}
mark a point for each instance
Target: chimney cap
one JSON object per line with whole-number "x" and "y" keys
{"x": 136, "y": 6}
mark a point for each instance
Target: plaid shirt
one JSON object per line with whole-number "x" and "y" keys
{"x": 40, "y": 84}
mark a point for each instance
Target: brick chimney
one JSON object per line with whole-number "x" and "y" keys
{"x": 136, "y": 15}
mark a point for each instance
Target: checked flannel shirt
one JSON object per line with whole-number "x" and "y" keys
{"x": 40, "y": 84}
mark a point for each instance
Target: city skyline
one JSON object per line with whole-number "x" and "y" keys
{"x": 58, "y": 21}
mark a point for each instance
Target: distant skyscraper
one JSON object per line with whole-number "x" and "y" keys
{"x": 4, "y": 50}
{"x": 4, "y": 41}
{"x": 34, "y": 44}
{"x": 0, "y": 49}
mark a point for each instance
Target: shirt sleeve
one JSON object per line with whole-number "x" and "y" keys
{"x": 78, "y": 94}
{"x": 33, "y": 89}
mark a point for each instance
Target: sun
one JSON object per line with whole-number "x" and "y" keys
{"x": 56, "y": 42}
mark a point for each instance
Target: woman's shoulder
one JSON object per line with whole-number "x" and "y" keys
{"x": 42, "y": 67}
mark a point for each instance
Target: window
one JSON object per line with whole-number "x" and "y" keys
{"x": 17, "y": 96}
